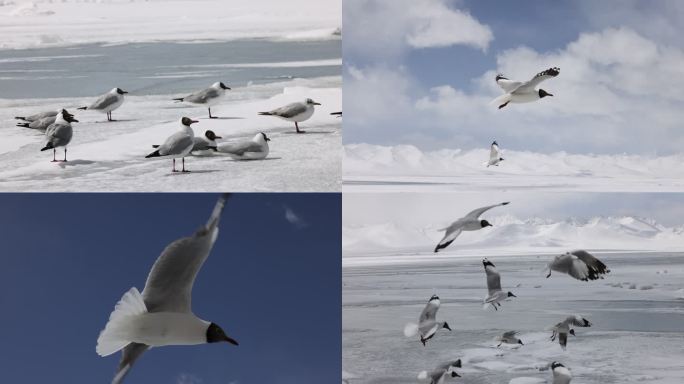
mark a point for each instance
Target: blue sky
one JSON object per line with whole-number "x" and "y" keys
{"x": 272, "y": 282}
{"x": 423, "y": 74}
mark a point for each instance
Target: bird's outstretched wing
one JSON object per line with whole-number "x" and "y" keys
{"x": 451, "y": 234}
{"x": 506, "y": 84}
{"x": 128, "y": 356}
{"x": 493, "y": 277}
{"x": 430, "y": 311}
{"x": 530, "y": 85}
{"x": 476, "y": 213}
{"x": 494, "y": 152}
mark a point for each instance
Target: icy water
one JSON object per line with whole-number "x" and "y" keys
{"x": 637, "y": 312}
{"x": 161, "y": 68}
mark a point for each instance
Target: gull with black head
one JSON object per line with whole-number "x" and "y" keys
{"x": 495, "y": 294}
{"x": 59, "y": 134}
{"x": 107, "y": 102}
{"x": 523, "y": 92}
{"x": 427, "y": 322}
{"x": 294, "y": 112}
{"x": 470, "y": 222}
{"x": 207, "y": 97}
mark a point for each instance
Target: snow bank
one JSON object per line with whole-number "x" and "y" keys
{"x": 31, "y": 24}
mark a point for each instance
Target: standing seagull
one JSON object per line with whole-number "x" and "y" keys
{"x": 509, "y": 338}
{"x": 494, "y": 286}
{"x": 494, "y": 155}
{"x": 523, "y": 92}
{"x": 255, "y": 149}
{"x": 208, "y": 96}
{"x": 177, "y": 145}
{"x": 579, "y": 264}
{"x": 43, "y": 123}
{"x": 562, "y": 329}
{"x": 162, "y": 314}
{"x": 207, "y": 142}
{"x": 441, "y": 372}
{"x": 108, "y": 102}
{"x": 59, "y": 134}
{"x": 38, "y": 116}
{"x": 561, "y": 375}
{"x": 296, "y": 112}
{"x": 471, "y": 222}
{"x": 427, "y": 324}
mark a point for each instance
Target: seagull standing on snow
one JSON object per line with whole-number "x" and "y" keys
{"x": 494, "y": 286}
{"x": 162, "y": 314}
{"x": 427, "y": 323}
{"x": 59, "y": 134}
{"x": 38, "y": 116}
{"x": 579, "y": 264}
{"x": 208, "y": 96}
{"x": 441, "y": 372}
{"x": 471, "y": 222}
{"x": 523, "y": 92}
{"x": 561, "y": 375}
{"x": 295, "y": 112}
{"x": 509, "y": 338}
{"x": 42, "y": 123}
{"x": 255, "y": 149}
{"x": 206, "y": 142}
{"x": 494, "y": 155}
{"x": 108, "y": 102}
{"x": 179, "y": 144}
{"x": 562, "y": 329}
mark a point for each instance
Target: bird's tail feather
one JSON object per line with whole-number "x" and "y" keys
{"x": 82, "y": 108}
{"x": 114, "y": 336}
{"x": 25, "y": 125}
{"x": 410, "y": 329}
{"x": 153, "y": 154}
{"x": 155, "y": 146}
{"x": 503, "y": 99}
{"x": 47, "y": 146}
{"x": 179, "y": 99}
{"x": 20, "y": 118}
{"x": 265, "y": 113}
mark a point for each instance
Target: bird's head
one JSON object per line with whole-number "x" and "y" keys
{"x": 223, "y": 86}
{"x": 446, "y": 326}
{"x": 501, "y": 77}
{"x": 215, "y": 335}
{"x": 186, "y": 121}
{"x": 68, "y": 116}
{"x": 556, "y": 364}
{"x": 311, "y": 102}
{"x": 510, "y": 294}
{"x": 262, "y": 137}
{"x": 572, "y": 332}
{"x": 543, "y": 93}
{"x": 485, "y": 223}
{"x": 454, "y": 374}
{"x": 520, "y": 342}
{"x": 209, "y": 134}
{"x": 433, "y": 298}
{"x": 120, "y": 91}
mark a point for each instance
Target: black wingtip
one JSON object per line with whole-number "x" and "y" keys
{"x": 25, "y": 125}
{"x": 153, "y": 154}
{"x": 265, "y": 113}
{"x": 82, "y": 108}
{"x": 47, "y": 146}
{"x": 20, "y": 118}
{"x": 505, "y": 203}
{"x": 179, "y": 99}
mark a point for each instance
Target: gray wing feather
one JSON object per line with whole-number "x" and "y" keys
{"x": 476, "y": 213}
{"x": 202, "y": 96}
{"x": 429, "y": 312}
{"x": 128, "y": 356}
{"x": 169, "y": 285}
{"x": 240, "y": 148}
{"x": 176, "y": 144}
{"x": 290, "y": 110}
{"x": 493, "y": 279}
{"x": 537, "y": 79}
{"x": 59, "y": 134}
{"x": 563, "y": 339}
{"x": 104, "y": 101}
{"x": 43, "y": 123}
{"x": 510, "y": 334}
{"x": 508, "y": 85}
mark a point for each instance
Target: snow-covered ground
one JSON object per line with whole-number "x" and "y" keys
{"x": 109, "y": 156}
{"x": 373, "y": 168}
{"x": 41, "y": 23}
{"x": 637, "y": 313}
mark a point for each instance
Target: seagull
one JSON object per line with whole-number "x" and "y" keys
{"x": 208, "y": 142}
{"x": 523, "y": 92}
{"x": 108, "y": 102}
{"x": 179, "y": 144}
{"x": 494, "y": 155}
{"x": 162, "y": 315}
{"x": 494, "y": 286}
{"x": 470, "y": 222}
{"x": 441, "y": 372}
{"x": 562, "y": 329}
{"x": 208, "y": 96}
{"x": 579, "y": 264}
{"x": 427, "y": 325}
{"x": 509, "y": 338}
{"x": 255, "y": 149}
{"x": 59, "y": 134}
{"x": 38, "y": 116}
{"x": 42, "y": 123}
{"x": 296, "y": 112}
{"x": 561, "y": 375}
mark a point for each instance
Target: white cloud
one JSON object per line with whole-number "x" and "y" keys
{"x": 294, "y": 219}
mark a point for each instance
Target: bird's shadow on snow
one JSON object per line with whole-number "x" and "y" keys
{"x": 64, "y": 164}
{"x": 191, "y": 172}
{"x": 309, "y": 133}
{"x": 113, "y": 121}
{"x": 223, "y": 118}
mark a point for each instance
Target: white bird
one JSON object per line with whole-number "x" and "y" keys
{"x": 295, "y": 112}
{"x": 579, "y": 264}
{"x": 179, "y": 144}
{"x": 523, "y": 92}
{"x": 42, "y": 123}
{"x": 59, "y": 134}
{"x": 494, "y": 155}
{"x": 441, "y": 372}
{"x": 255, "y": 149}
{"x": 470, "y": 222}
{"x": 561, "y": 375}
{"x": 562, "y": 329}
{"x": 509, "y": 338}
{"x": 208, "y": 96}
{"x": 38, "y": 116}
{"x": 206, "y": 142}
{"x": 108, "y": 102}
{"x": 496, "y": 295}
{"x": 427, "y": 323}
{"x": 162, "y": 314}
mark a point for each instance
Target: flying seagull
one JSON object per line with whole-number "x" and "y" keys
{"x": 579, "y": 264}
{"x": 509, "y": 337}
{"x": 494, "y": 155}
{"x": 162, "y": 314}
{"x": 441, "y": 372}
{"x": 471, "y": 222}
{"x": 208, "y": 96}
{"x": 523, "y": 92}
{"x": 59, "y": 134}
{"x": 107, "y": 102}
{"x": 295, "y": 112}
{"x": 427, "y": 324}
{"x": 255, "y": 149}
{"x": 179, "y": 144}
{"x": 494, "y": 286}
{"x": 562, "y": 329}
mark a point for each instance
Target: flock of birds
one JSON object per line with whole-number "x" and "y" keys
{"x": 518, "y": 92}
{"x": 578, "y": 264}
{"x": 59, "y": 132}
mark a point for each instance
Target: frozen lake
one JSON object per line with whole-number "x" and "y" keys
{"x": 637, "y": 314}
